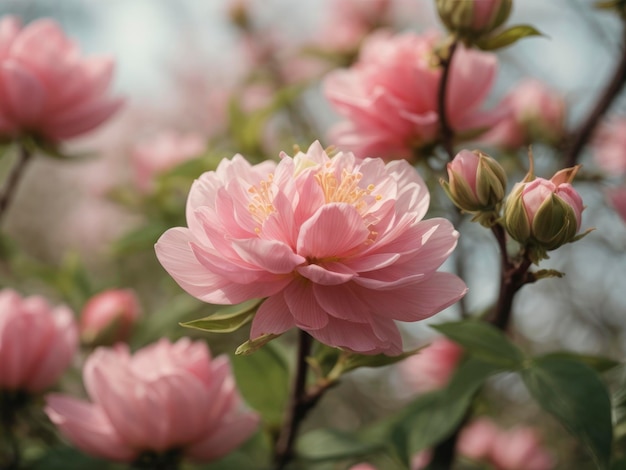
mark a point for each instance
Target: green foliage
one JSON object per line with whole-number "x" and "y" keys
{"x": 484, "y": 342}
{"x": 253, "y": 345}
{"x": 508, "y": 37}
{"x": 323, "y": 445}
{"x": 574, "y": 394}
{"x": 263, "y": 380}
{"x": 226, "y": 320}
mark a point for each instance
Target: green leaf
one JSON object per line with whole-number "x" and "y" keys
{"x": 67, "y": 458}
{"x": 597, "y": 363}
{"x": 574, "y": 394}
{"x": 485, "y": 342}
{"x": 321, "y": 445}
{"x": 354, "y": 361}
{"x": 440, "y": 413}
{"x": 226, "y": 320}
{"x": 432, "y": 417}
{"x": 507, "y": 37}
{"x": 263, "y": 380}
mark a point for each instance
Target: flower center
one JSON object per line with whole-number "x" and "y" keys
{"x": 346, "y": 189}
{"x": 260, "y": 205}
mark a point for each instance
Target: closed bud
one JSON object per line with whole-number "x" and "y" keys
{"x": 109, "y": 317}
{"x": 544, "y": 214}
{"x": 476, "y": 184}
{"x": 472, "y": 19}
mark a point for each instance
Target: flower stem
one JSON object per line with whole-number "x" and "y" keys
{"x": 9, "y": 403}
{"x": 446, "y": 132}
{"x": 583, "y": 133}
{"x": 299, "y": 405}
{"x": 12, "y": 180}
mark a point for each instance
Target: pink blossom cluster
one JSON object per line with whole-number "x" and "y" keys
{"x": 337, "y": 246}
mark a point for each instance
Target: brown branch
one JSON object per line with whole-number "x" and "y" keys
{"x": 446, "y": 132}
{"x": 299, "y": 405}
{"x": 579, "y": 138}
{"x": 16, "y": 173}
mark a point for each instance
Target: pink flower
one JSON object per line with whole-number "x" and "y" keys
{"x": 477, "y": 439}
{"x": 617, "y": 199}
{"x": 520, "y": 449}
{"x": 165, "y": 397}
{"x": 37, "y": 342}
{"x": 46, "y": 87}
{"x": 432, "y": 367}
{"x": 161, "y": 153}
{"x": 109, "y": 317}
{"x": 609, "y": 146}
{"x": 537, "y": 114}
{"x": 336, "y": 245}
{"x": 514, "y": 449}
{"x": 389, "y": 96}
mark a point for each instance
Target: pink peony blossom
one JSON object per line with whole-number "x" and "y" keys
{"x": 161, "y": 153}
{"x": 336, "y": 245}
{"x": 617, "y": 199}
{"x": 389, "y": 96}
{"x": 513, "y": 449}
{"x": 165, "y": 397}
{"x": 537, "y": 113}
{"x": 46, "y": 87}
{"x": 609, "y": 146}
{"x": 109, "y": 316}
{"x": 37, "y": 342}
{"x": 432, "y": 367}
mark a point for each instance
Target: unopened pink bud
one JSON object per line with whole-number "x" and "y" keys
{"x": 544, "y": 213}
{"x": 109, "y": 317}
{"x": 473, "y": 18}
{"x": 476, "y": 183}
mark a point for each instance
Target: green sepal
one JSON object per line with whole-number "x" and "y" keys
{"x": 508, "y": 37}
{"x": 546, "y": 273}
{"x": 255, "y": 344}
{"x": 226, "y": 321}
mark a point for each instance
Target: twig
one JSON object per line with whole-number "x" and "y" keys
{"x": 6, "y": 196}
{"x": 446, "y": 132}
{"x": 299, "y": 405}
{"x": 581, "y": 136}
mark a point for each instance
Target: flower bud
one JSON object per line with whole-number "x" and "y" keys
{"x": 473, "y": 18}
{"x": 544, "y": 214}
{"x": 477, "y": 183}
{"x": 109, "y": 317}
